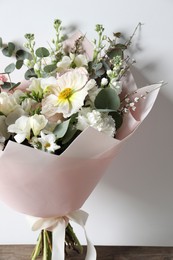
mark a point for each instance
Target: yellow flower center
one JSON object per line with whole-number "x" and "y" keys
{"x": 47, "y": 145}
{"x": 65, "y": 94}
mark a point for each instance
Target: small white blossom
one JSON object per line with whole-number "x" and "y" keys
{"x": 109, "y": 72}
{"x": 104, "y": 81}
{"x": 136, "y": 99}
{"x": 116, "y": 85}
{"x": 48, "y": 142}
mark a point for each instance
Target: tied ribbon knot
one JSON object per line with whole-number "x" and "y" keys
{"x": 58, "y": 225}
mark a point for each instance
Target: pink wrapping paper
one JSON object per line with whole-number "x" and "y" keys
{"x": 45, "y": 185}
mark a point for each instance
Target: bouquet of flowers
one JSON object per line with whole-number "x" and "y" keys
{"x": 61, "y": 127}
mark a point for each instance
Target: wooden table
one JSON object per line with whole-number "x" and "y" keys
{"x": 23, "y": 252}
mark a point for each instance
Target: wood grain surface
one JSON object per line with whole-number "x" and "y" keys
{"x": 23, "y": 252}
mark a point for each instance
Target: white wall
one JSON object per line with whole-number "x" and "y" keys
{"x": 132, "y": 205}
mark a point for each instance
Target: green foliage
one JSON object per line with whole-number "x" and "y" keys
{"x": 19, "y": 64}
{"x": 10, "y": 68}
{"x": 116, "y": 50}
{"x": 9, "y": 85}
{"x": 22, "y": 55}
{"x": 50, "y": 68}
{"x": 9, "y": 49}
{"x": 30, "y": 73}
{"x": 61, "y": 129}
{"x": 42, "y": 52}
{"x": 107, "y": 99}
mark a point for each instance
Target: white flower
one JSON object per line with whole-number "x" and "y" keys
{"x": 116, "y": 85}
{"x": 47, "y": 142}
{"x": 37, "y": 66}
{"x": 37, "y": 123}
{"x": 69, "y": 94}
{"x": 22, "y": 129}
{"x": 104, "y": 81}
{"x": 64, "y": 64}
{"x": 24, "y": 124}
{"x": 92, "y": 93}
{"x": 35, "y": 86}
{"x": 14, "y": 115}
{"x": 80, "y": 61}
{"x": 101, "y": 121}
{"x": 9, "y": 102}
{"x": 47, "y": 84}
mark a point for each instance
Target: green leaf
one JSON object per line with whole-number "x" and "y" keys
{"x": 10, "y": 68}
{"x": 10, "y": 85}
{"x": 29, "y": 74}
{"x": 107, "y": 99}
{"x": 50, "y": 68}
{"x": 1, "y": 43}
{"x": 117, "y": 50}
{"x": 19, "y": 64}
{"x": 118, "y": 119}
{"x": 6, "y": 85}
{"x": 9, "y": 49}
{"x": 61, "y": 129}
{"x": 22, "y": 55}
{"x": 42, "y": 52}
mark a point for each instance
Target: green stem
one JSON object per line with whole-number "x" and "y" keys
{"x": 37, "y": 249}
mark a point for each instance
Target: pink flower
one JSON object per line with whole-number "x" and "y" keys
{"x": 3, "y": 79}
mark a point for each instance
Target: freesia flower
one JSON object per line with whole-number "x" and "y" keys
{"x": 22, "y": 129}
{"x": 37, "y": 123}
{"x": 68, "y": 95}
{"x": 24, "y": 124}
{"x": 79, "y": 60}
{"x": 100, "y": 121}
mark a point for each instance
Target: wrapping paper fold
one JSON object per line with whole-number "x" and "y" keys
{"x": 45, "y": 185}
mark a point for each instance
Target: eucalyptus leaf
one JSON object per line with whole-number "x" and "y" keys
{"x": 61, "y": 129}
{"x": 50, "y": 68}
{"x": 9, "y": 49}
{"x": 117, "y": 50}
{"x": 6, "y": 53}
{"x": 19, "y": 64}
{"x": 6, "y": 85}
{"x": 107, "y": 98}
{"x": 30, "y": 73}
{"x": 10, "y": 85}
{"x": 42, "y": 52}
{"x": 70, "y": 134}
{"x": 22, "y": 55}
{"x": 10, "y": 68}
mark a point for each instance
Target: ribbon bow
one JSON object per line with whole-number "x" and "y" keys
{"x": 58, "y": 225}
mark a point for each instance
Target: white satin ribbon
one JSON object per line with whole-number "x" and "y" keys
{"x": 58, "y": 225}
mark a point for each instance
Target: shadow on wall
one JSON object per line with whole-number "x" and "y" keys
{"x": 144, "y": 166}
